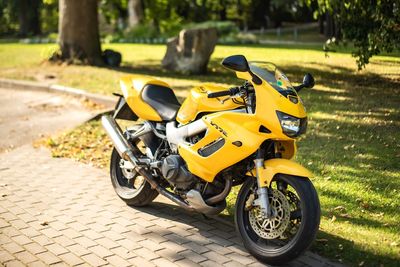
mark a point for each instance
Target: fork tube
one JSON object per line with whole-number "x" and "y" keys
{"x": 262, "y": 192}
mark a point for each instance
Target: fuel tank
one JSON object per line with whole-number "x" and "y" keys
{"x": 198, "y": 103}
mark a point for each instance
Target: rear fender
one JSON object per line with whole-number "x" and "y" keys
{"x": 123, "y": 111}
{"x": 273, "y": 167}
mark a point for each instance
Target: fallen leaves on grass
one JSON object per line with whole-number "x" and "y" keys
{"x": 87, "y": 143}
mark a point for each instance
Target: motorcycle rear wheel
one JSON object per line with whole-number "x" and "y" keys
{"x": 294, "y": 227}
{"x": 134, "y": 191}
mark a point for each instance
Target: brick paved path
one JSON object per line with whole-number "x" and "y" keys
{"x": 60, "y": 212}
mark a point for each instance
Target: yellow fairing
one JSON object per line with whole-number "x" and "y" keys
{"x": 132, "y": 86}
{"x": 245, "y": 128}
{"x": 282, "y": 166}
{"x": 232, "y": 127}
{"x": 198, "y": 102}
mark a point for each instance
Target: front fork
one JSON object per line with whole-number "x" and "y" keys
{"x": 263, "y": 200}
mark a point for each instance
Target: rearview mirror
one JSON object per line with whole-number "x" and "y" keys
{"x": 308, "y": 81}
{"x": 236, "y": 63}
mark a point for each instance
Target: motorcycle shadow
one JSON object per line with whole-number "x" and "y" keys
{"x": 192, "y": 234}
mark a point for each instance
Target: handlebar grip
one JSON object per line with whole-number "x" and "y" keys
{"x": 220, "y": 93}
{"x": 231, "y": 91}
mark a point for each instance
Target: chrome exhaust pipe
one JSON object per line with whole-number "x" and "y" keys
{"x": 122, "y": 145}
{"x": 125, "y": 150}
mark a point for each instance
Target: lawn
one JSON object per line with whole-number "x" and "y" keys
{"x": 352, "y": 144}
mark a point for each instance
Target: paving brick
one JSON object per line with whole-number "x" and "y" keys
{"x": 186, "y": 263}
{"x": 64, "y": 241}
{"x": 177, "y": 239}
{"x": 163, "y": 263}
{"x": 142, "y": 262}
{"x": 93, "y": 235}
{"x": 100, "y": 251}
{"x": 233, "y": 264}
{"x": 34, "y": 248}
{"x": 151, "y": 245}
{"x": 71, "y": 259}
{"x": 42, "y": 240}
{"x": 25, "y": 257}
{"x": 37, "y": 264}
{"x": 210, "y": 263}
{"x": 117, "y": 261}
{"x": 78, "y": 250}
{"x": 51, "y": 233}
{"x": 216, "y": 257}
{"x": 4, "y": 239}
{"x": 56, "y": 249}
{"x": 169, "y": 254}
{"x": 239, "y": 258}
{"x": 48, "y": 257}
{"x": 5, "y": 256}
{"x": 15, "y": 263}
{"x": 85, "y": 242}
{"x": 30, "y": 232}
{"x": 193, "y": 256}
{"x": 13, "y": 248}
{"x": 146, "y": 254}
{"x": 218, "y": 248}
{"x": 71, "y": 233}
{"x": 94, "y": 260}
{"x": 123, "y": 252}
{"x": 10, "y": 231}
{"x": 107, "y": 243}
{"x": 128, "y": 244}
{"x": 21, "y": 239}
{"x": 171, "y": 245}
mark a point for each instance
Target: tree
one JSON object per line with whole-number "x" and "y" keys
{"x": 28, "y": 17}
{"x": 373, "y": 26}
{"x": 79, "y": 31}
{"x": 135, "y": 12}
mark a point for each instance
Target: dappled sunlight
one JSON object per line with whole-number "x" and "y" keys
{"x": 340, "y": 98}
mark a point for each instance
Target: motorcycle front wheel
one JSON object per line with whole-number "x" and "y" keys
{"x": 292, "y": 227}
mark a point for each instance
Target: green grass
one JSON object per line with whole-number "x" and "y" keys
{"x": 352, "y": 144}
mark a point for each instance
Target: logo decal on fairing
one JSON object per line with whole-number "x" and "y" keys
{"x": 219, "y": 128}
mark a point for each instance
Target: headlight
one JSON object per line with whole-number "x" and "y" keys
{"x": 292, "y": 126}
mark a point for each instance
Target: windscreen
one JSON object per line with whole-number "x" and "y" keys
{"x": 273, "y": 76}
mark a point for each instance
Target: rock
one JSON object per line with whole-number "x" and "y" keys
{"x": 112, "y": 58}
{"x": 190, "y": 52}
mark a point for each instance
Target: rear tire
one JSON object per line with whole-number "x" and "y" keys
{"x": 125, "y": 189}
{"x": 277, "y": 251}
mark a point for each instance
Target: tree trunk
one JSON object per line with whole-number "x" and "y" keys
{"x": 79, "y": 31}
{"x": 28, "y": 17}
{"x": 135, "y": 12}
{"x": 222, "y": 10}
{"x": 330, "y": 26}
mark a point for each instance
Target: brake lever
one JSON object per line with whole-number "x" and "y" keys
{"x": 224, "y": 100}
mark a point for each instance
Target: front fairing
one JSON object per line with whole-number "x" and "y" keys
{"x": 275, "y": 93}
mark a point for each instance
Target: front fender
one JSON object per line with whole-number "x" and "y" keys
{"x": 282, "y": 166}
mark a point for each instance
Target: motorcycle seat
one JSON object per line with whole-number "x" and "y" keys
{"x": 162, "y": 99}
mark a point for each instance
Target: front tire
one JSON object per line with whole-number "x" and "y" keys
{"x": 269, "y": 240}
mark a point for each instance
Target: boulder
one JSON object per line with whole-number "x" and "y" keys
{"x": 190, "y": 52}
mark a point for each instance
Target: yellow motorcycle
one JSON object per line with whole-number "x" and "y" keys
{"x": 194, "y": 153}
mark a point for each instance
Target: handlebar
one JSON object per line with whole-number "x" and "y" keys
{"x": 232, "y": 91}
